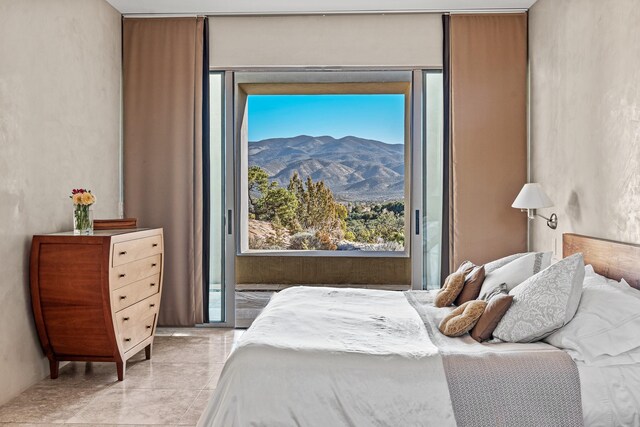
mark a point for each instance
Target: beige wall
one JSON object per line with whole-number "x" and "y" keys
{"x": 413, "y": 40}
{"x": 59, "y": 129}
{"x": 585, "y": 117}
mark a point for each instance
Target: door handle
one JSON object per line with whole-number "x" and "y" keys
{"x": 229, "y": 221}
{"x": 417, "y": 222}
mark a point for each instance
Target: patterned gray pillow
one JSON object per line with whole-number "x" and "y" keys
{"x": 544, "y": 302}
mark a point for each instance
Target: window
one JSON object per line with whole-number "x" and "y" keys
{"x": 325, "y": 171}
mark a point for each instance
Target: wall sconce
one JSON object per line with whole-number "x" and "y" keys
{"x": 533, "y": 197}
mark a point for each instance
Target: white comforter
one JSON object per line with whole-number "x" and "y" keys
{"x": 323, "y": 357}
{"x": 327, "y": 357}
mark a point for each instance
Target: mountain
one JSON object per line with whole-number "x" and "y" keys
{"x": 355, "y": 169}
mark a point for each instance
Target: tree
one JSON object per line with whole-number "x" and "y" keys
{"x": 278, "y": 202}
{"x": 318, "y": 210}
{"x": 258, "y": 182}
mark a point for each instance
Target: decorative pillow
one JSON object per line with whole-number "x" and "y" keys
{"x": 450, "y": 290}
{"x": 466, "y": 267}
{"x": 605, "y": 327}
{"x": 544, "y": 302}
{"x": 462, "y": 319}
{"x": 497, "y": 307}
{"x": 472, "y": 285}
{"x": 515, "y": 272}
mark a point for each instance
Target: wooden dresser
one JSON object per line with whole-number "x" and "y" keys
{"x": 96, "y": 298}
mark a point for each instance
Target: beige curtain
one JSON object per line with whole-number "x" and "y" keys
{"x": 162, "y": 78}
{"x": 488, "y": 70}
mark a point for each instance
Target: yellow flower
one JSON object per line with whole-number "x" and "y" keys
{"x": 77, "y": 199}
{"x": 88, "y": 199}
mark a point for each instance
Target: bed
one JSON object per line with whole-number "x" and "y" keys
{"x": 352, "y": 357}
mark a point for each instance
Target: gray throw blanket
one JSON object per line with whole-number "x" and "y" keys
{"x": 504, "y": 388}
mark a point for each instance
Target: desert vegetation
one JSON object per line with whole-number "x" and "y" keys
{"x": 305, "y": 215}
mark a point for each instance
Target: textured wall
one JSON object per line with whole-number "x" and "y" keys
{"x": 585, "y": 117}
{"x": 59, "y": 129}
{"x": 325, "y": 270}
{"x": 326, "y": 40}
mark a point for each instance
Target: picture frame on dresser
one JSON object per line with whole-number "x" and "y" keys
{"x": 96, "y": 298}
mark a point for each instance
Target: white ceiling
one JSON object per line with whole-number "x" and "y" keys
{"x": 214, "y": 7}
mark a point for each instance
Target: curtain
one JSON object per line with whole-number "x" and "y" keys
{"x": 445, "y": 252}
{"x": 206, "y": 173}
{"x": 163, "y": 166}
{"x": 488, "y": 135}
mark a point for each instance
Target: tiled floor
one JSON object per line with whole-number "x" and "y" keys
{"x": 173, "y": 388}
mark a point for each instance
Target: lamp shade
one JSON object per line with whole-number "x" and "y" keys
{"x": 532, "y": 196}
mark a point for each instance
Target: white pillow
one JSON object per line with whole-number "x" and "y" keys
{"x": 515, "y": 272}
{"x": 606, "y": 324}
{"x": 544, "y": 302}
{"x": 494, "y": 265}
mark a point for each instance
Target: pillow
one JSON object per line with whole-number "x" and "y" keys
{"x": 544, "y": 302}
{"x": 494, "y": 265}
{"x": 462, "y": 319}
{"x": 452, "y": 285}
{"x": 515, "y": 272}
{"x": 450, "y": 290}
{"x": 497, "y": 306}
{"x": 605, "y": 326}
{"x": 472, "y": 284}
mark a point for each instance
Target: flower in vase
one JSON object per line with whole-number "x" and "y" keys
{"x": 88, "y": 198}
{"x": 82, "y": 215}
{"x": 80, "y": 196}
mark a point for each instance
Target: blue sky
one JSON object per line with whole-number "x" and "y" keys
{"x": 379, "y": 117}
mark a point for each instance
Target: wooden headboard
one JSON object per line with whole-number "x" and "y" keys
{"x": 614, "y": 260}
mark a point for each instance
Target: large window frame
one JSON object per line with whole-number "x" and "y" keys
{"x": 318, "y": 82}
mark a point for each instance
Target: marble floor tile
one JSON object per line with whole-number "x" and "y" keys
{"x": 43, "y": 404}
{"x": 190, "y": 352}
{"x": 177, "y": 376}
{"x": 213, "y": 381}
{"x": 136, "y": 406}
{"x": 172, "y": 388}
{"x": 191, "y": 417}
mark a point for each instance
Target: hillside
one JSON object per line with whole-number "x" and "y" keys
{"x": 355, "y": 169}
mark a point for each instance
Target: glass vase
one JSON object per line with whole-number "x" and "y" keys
{"x": 82, "y": 220}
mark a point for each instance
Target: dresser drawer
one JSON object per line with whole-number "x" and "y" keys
{"x": 137, "y": 270}
{"x": 137, "y": 291}
{"x": 131, "y": 250}
{"x": 135, "y": 334}
{"x": 133, "y": 315}
{"x": 137, "y": 322}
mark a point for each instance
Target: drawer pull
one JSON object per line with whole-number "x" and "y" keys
{"x": 127, "y": 339}
{"x": 122, "y": 275}
{"x": 154, "y": 264}
{"x": 152, "y": 284}
{"x": 148, "y": 326}
{"x": 154, "y": 245}
{"x": 125, "y": 319}
{"x": 152, "y": 305}
{"x": 123, "y": 253}
{"x": 123, "y": 297}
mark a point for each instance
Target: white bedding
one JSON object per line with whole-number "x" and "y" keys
{"x": 610, "y": 395}
{"x": 315, "y": 367}
{"x": 313, "y": 356}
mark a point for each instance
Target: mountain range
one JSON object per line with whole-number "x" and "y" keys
{"x": 355, "y": 169}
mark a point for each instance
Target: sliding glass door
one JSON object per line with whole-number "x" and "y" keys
{"x": 432, "y": 184}
{"x": 220, "y": 312}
